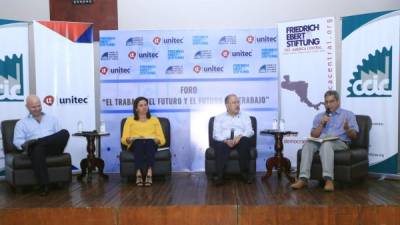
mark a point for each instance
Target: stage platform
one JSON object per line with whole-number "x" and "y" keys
{"x": 190, "y": 199}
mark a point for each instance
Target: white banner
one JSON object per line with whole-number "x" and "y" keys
{"x": 370, "y": 81}
{"x": 307, "y": 71}
{"x": 186, "y": 76}
{"x": 64, "y": 78}
{"x": 14, "y": 72}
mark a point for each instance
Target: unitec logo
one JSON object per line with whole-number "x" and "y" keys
{"x": 49, "y": 100}
{"x": 225, "y": 53}
{"x": 374, "y": 76}
{"x": 197, "y": 69}
{"x": 132, "y": 54}
{"x": 250, "y": 39}
{"x": 156, "y": 40}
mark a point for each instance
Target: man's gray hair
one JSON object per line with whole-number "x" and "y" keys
{"x": 332, "y": 93}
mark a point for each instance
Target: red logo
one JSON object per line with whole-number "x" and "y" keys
{"x": 48, "y": 100}
{"x": 157, "y": 40}
{"x": 197, "y": 69}
{"x": 132, "y": 55}
{"x": 225, "y": 53}
{"x": 250, "y": 39}
{"x": 104, "y": 70}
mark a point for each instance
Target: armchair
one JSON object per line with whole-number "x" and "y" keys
{"x": 232, "y": 166}
{"x": 18, "y": 166}
{"x": 350, "y": 165}
{"x": 162, "y": 164}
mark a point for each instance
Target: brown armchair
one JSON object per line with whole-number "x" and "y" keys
{"x": 18, "y": 166}
{"x": 349, "y": 166}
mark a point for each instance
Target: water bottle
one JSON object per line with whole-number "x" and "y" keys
{"x": 80, "y": 126}
{"x": 282, "y": 125}
{"x": 275, "y": 124}
{"x": 102, "y": 126}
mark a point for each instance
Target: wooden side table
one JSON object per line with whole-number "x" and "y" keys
{"x": 278, "y": 161}
{"x": 91, "y": 161}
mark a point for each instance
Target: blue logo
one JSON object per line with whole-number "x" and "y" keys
{"x": 374, "y": 77}
{"x": 11, "y": 79}
{"x": 134, "y": 41}
{"x": 174, "y": 70}
{"x": 107, "y": 41}
{"x": 112, "y": 55}
{"x": 227, "y": 40}
{"x": 269, "y": 53}
{"x": 200, "y": 40}
{"x": 267, "y": 68}
{"x": 203, "y": 54}
{"x": 147, "y": 69}
{"x": 176, "y": 54}
{"x": 241, "y": 68}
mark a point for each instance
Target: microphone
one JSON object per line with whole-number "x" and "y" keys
{"x": 328, "y": 114}
{"x": 232, "y": 133}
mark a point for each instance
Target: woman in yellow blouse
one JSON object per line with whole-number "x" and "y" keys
{"x": 142, "y": 134}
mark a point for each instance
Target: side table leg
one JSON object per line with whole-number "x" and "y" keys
{"x": 99, "y": 163}
{"x": 269, "y": 164}
{"x": 287, "y": 167}
{"x": 84, "y": 167}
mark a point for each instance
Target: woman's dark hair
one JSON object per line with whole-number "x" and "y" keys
{"x": 135, "y": 105}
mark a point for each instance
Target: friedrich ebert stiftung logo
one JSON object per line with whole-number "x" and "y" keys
{"x": 12, "y": 79}
{"x": 374, "y": 77}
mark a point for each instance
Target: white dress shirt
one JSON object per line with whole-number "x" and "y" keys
{"x": 28, "y": 128}
{"x": 224, "y": 123}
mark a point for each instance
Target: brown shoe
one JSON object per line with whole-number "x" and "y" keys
{"x": 329, "y": 186}
{"x": 299, "y": 184}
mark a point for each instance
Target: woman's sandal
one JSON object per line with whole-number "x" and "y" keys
{"x": 139, "y": 180}
{"x": 149, "y": 181}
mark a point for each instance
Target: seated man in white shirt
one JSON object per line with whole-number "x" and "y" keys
{"x": 40, "y": 134}
{"x": 232, "y": 129}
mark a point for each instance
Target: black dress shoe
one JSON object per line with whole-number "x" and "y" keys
{"x": 44, "y": 190}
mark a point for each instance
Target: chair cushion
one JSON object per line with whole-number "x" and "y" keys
{"x": 210, "y": 154}
{"x": 346, "y": 157}
{"x": 22, "y": 161}
{"x": 127, "y": 156}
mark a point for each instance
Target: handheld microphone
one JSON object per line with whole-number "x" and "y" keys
{"x": 328, "y": 114}
{"x": 232, "y": 133}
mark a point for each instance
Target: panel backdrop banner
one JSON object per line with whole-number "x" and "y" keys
{"x": 307, "y": 71}
{"x": 370, "y": 80}
{"x": 186, "y": 76}
{"x": 14, "y": 72}
{"x": 65, "y": 77}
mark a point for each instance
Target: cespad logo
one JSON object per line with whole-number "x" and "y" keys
{"x": 250, "y": 39}
{"x": 132, "y": 54}
{"x": 225, "y": 53}
{"x": 197, "y": 69}
{"x": 48, "y": 100}
{"x": 11, "y": 78}
{"x": 374, "y": 77}
{"x": 103, "y": 70}
{"x": 156, "y": 40}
